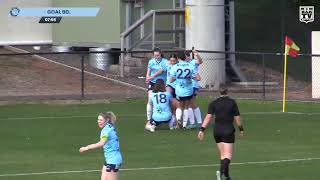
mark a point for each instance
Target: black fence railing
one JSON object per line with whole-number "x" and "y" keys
{"x": 29, "y": 74}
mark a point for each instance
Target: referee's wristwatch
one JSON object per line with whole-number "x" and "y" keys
{"x": 241, "y": 128}
{"x": 202, "y": 129}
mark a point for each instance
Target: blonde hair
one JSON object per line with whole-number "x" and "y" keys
{"x": 109, "y": 116}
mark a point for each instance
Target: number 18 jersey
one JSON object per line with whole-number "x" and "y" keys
{"x": 161, "y": 106}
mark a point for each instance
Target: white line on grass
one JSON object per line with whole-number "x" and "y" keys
{"x": 139, "y": 115}
{"x": 164, "y": 167}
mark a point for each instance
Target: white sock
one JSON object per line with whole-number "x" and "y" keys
{"x": 197, "y": 113}
{"x": 191, "y": 116}
{"x": 178, "y": 114}
{"x": 172, "y": 121}
{"x": 185, "y": 117}
{"x": 149, "y": 111}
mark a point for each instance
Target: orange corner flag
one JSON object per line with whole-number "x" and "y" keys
{"x": 291, "y": 48}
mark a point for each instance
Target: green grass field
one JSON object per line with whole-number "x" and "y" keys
{"x": 41, "y": 141}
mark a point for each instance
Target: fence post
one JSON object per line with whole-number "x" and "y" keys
{"x": 153, "y": 29}
{"x": 264, "y": 79}
{"x": 122, "y": 56}
{"x": 82, "y": 77}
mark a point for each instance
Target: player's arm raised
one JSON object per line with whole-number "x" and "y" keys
{"x": 197, "y": 57}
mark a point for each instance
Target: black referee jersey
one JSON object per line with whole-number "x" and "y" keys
{"x": 224, "y": 109}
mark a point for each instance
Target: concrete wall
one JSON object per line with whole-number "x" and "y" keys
{"x": 23, "y": 30}
{"x": 102, "y": 30}
{"x": 163, "y": 22}
{"x": 315, "y": 65}
{"x": 105, "y": 29}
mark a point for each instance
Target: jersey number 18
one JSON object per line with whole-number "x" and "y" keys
{"x": 162, "y": 98}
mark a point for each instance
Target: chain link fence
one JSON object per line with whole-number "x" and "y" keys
{"x": 259, "y": 27}
{"x": 72, "y": 75}
{"x": 26, "y": 74}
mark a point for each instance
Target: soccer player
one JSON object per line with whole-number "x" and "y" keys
{"x": 170, "y": 86}
{"x": 183, "y": 73}
{"x": 156, "y": 70}
{"x": 160, "y": 99}
{"x": 110, "y": 143}
{"x": 226, "y": 112}
{"x": 194, "y": 110}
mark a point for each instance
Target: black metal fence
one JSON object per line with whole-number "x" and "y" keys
{"x": 30, "y": 74}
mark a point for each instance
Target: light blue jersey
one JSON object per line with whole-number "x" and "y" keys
{"x": 195, "y": 83}
{"x": 111, "y": 148}
{"x": 154, "y": 66}
{"x": 161, "y": 106}
{"x": 168, "y": 69}
{"x": 183, "y": 73}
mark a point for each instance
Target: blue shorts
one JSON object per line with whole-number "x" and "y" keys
{"x": 173, "y": 93}
{"x": 195, "y": 91}
{"x": 157, "y": 123}
{"x": 112, "y": 167}
{"x": 150, "y": 86}
{"x": 186, "y": 98}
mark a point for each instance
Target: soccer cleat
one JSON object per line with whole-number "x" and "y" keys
{"x": 179, "y": 125}
{"x": 150, "y": 127}
{"x": 174, "y": 127}
{"x": 153, "y": 128}
{"x": 191, "y": 126}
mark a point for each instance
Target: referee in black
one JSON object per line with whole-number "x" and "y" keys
{"x": 226, "y": 112}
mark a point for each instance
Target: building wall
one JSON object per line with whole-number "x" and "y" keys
{"x": 23, "y": 30}
{"x": 102, "y": 30}
{"x": 105, "y": 29}
{"x": 163, "y": 22}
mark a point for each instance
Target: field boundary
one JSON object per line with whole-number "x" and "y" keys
{"x": 139, "y": 115}
{"x": 165, "y": 167}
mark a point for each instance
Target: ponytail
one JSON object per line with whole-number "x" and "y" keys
{"x": 109, "y": 116}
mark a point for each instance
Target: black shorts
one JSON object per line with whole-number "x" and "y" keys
{"x": 226, "y": 139}
{"x": 186, "y": 98}
{"x": 157, "y": 123}
{"x": 150, "y": 86}
{"x": 112, "y": 167}
{"x": 173, "y": 93}
{"x": 222, "y": 134}
{"x": 195, "y": 91}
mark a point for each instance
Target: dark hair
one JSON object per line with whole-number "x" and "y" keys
{"x": 223, "y": 89}
{"x": 159, "y": 86}
{"x": 173, "y": 56}
{"x": 157, "y": 50}
{"x": 181, "y": 55}
{"x": 187, "y": 53}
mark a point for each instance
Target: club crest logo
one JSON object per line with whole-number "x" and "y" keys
{"x": 306, "y": 14}
{"x": 14, "y": 11}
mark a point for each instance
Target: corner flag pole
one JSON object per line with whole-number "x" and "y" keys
{"x": 284, "y": 81}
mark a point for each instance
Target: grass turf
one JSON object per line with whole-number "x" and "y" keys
{"x": 46, "y": 138}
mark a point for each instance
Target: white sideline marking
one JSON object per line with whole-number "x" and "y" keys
{"x": 139, "y": 115}
{"x": 63, "y": 117}
{"x": 164, "y": 167}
